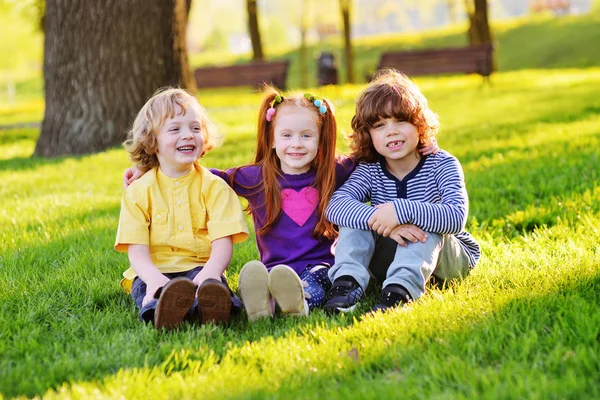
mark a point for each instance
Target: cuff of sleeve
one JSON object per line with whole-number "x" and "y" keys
{"x": 365, "y": 224}
{"x": 402, "y": 214}
{"x": 237, "y": 230}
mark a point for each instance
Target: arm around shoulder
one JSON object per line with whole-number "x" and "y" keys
{"x": 225, "y": 215}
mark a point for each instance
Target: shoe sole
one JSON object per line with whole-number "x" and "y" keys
{"x": 347, "y": 310}
{"x": 214, "y": 302}
{"x": 337, "y": 310}
{"x": 176, "y": 299}
{"x": 253, "y": 284}
{"x": 286, "y": 287}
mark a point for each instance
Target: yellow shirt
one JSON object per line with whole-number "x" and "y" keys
{"x": 178, "y": 219}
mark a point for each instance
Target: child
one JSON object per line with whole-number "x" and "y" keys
{"x": 288, "y": 186}
{"x": 414, "y": 198}
{"x": 178, "y": 222}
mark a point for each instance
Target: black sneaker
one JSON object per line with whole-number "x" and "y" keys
{"x": 392, "y": 296}
{"x": 343, "y": 295}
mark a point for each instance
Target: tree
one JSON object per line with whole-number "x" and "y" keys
{"x": 479, "y": 27}
{"x": 302, "y": 51}
{"x": 102, "y": 60}
{"x": 345, "y": 8}
{"x": 254, "y": 30}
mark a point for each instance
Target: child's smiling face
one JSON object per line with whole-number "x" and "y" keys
{"x": 180, "y": 142}
{"x": 296, "y": 138}
{"x": 395, "y": 140}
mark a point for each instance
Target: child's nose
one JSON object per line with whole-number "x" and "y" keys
{"x": 186, "y": 134}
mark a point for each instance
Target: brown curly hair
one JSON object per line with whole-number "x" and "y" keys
{"x": 390, "y": 95}
{"x": 164, "y": 103}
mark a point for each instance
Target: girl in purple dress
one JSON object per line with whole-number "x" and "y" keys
{"x": 288, "y": 186}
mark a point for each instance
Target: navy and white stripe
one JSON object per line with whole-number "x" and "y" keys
{"x": 433, "y": 197}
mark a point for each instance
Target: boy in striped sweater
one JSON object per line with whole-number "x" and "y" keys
{"x": 413, "y": 227}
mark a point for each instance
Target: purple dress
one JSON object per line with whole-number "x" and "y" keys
{"x": 290, "y": 240}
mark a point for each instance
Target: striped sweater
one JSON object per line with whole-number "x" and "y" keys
{"x": 433, "y": 196}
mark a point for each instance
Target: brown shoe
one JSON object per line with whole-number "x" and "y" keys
{"x": 176, "y": 299}
{"x": 214, "y": 302}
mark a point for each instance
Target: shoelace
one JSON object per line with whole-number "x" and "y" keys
{"x": 391, "y": 297}
{"x": 341, "y": 289}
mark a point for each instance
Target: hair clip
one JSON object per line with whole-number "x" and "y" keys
{"x": 271, "y": 111}
{"x": 317, "y": 102}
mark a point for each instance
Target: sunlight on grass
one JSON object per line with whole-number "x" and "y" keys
{"x": 468, "y": 319}
{"x": 524, "y": 324}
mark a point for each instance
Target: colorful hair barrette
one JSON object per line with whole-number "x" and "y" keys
{"x": 271, "y": 111}
{"x": 317, "y": 102}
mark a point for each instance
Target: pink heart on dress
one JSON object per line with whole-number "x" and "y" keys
{"x": 299, "y": 206}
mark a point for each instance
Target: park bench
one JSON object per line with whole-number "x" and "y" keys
{"x": 255, "y": 74}
{"x": 471, "y": 59}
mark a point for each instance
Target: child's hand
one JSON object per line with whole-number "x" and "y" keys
{"x": 409, "y": 232}
{"x": 205, "y": 274}
{"x": 152, "y": 287}
{"x": 130, "y": 175}
{"x": 433, "y": 148}
{"x": 384, "y": 219}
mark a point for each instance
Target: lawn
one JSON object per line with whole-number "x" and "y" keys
{"x": 526, "y": 323}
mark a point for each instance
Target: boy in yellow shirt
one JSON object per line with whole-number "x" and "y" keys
{"x": 178, "y": 222}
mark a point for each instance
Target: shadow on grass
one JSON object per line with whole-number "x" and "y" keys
{"x": 546, "y": 338}
{"x": 546, "y": 329}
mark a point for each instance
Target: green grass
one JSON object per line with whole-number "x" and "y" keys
{"x": 525, "y": 324}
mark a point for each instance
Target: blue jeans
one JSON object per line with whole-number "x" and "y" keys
{"x": 359, "y": 253}
{"x": 146, "y": 314}
{"x": 318, "y": 284}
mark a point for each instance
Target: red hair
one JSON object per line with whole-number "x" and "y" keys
{"x": 324, "y": 162}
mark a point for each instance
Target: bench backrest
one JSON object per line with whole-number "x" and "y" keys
{"x": 471, "y": 59}
{"x": 254, "y": 74}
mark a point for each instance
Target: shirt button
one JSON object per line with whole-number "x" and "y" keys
{"x": 177, "y": 182}
{"x": 180, "y": 227}
{"x": 178, "y": 202}
{"x": 158, "y": 216}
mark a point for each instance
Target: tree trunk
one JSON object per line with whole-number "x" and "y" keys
{"x": 188, "y": 7}
{"x": 479, "y": 27}
{"x": 254, "y": 30}
{"x": 102, "y": 61}
{"x": 302, "y": 51}
{"x": 345, "y": 6}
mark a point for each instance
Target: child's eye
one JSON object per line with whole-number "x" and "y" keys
{"x": 174, "y": 129}
{"x": 307, "y": 136}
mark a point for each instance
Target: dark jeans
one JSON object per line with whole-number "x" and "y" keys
{"x": 146, "y": 314}
{"x": 318, "y": 284}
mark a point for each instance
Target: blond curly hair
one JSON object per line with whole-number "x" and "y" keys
{"x": 164, "y": 104}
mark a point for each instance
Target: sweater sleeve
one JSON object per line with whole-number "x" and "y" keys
{"x": 447, "y": 217}
{"x": 347, "y": 206}
{"x": 245, "y": 181}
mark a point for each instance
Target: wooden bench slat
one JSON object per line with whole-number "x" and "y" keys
{"x": 254, "y": 74}
{"x": 471, "y": 59}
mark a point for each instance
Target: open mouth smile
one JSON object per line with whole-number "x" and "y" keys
{"x": 186, "y": 149}
{"x": 395, "y": 145}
